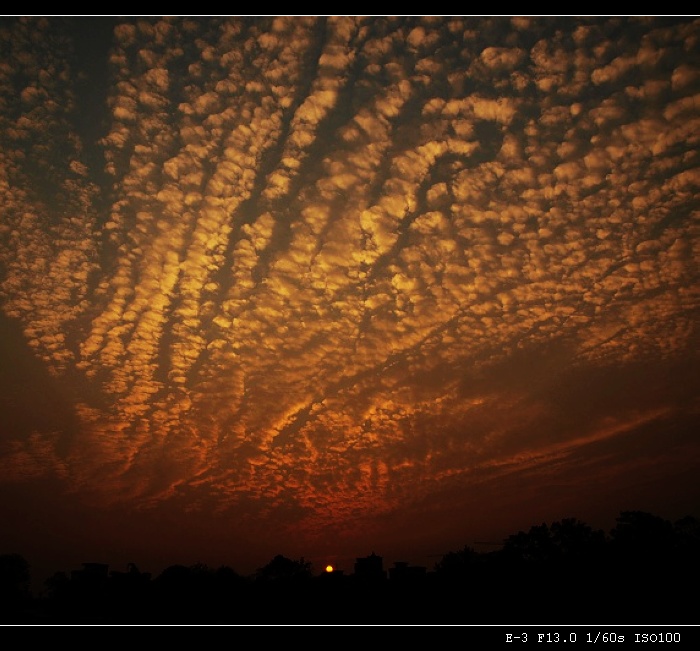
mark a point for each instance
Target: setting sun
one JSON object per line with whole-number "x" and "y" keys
{"x": 329, "y": 568}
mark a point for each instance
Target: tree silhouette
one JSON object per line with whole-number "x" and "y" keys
{"x": 14, "y": 572}
{"x": 457, "y": 563}
{"x": 183, "y": 592}
{"x": 687, "y": 531}
{"x": 57, "y": 585}
{"x": 575, "y": 540}
{"x": 283, "y": 591}
{"x": 647, "y": 569}
{"x": 565, "y": 541}
{"x": 532, "y": 547}
{"x": 687, "y": 556}
{"x": 554, "y": 568}
{"x": 281, "y": 568}
{"x": 639, "y": 534}
{"x": 14, "y": 583}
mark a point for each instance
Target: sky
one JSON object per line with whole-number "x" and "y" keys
{"x": 325, "y": 286}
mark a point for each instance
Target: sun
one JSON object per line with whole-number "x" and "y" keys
{"x": 329, "y": 568}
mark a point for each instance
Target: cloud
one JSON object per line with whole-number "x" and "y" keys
{"x": 322, "y": 233}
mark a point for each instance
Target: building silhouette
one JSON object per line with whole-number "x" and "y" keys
{"x": 370, "y": 568}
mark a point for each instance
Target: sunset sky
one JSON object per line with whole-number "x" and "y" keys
{"x": 328, "y": 286}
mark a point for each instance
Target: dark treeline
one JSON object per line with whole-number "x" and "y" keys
{"x": 646, "y": 570}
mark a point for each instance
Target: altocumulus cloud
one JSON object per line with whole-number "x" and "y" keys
{"x": 343, "y": 264}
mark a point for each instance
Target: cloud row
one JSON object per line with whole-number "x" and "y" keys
{"x": 325, "y": 230}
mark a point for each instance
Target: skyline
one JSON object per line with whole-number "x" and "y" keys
{"x": 323, "y": 286}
